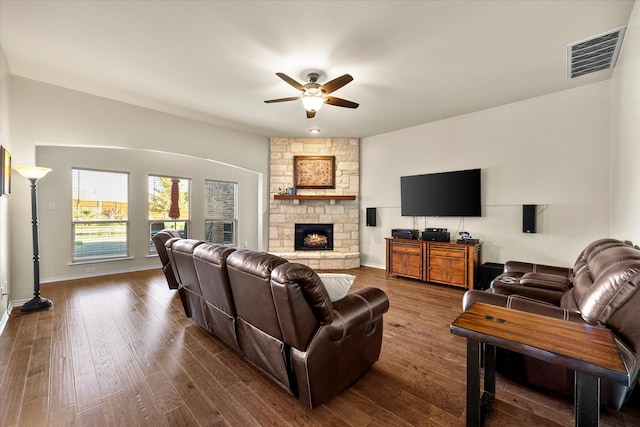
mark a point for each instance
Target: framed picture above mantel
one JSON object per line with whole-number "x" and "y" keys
{"x": 314, "y": 171}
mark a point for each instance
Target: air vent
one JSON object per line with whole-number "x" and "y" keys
{"x": 594, "y": 54}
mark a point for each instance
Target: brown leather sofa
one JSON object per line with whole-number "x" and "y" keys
{"x": 278, "y": 316}
{"x": 602, "y": 289}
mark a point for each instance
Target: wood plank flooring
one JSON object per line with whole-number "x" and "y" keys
{"x": 118, "y": 351}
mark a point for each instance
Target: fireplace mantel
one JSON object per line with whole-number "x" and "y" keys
{"x": 298, "y": 197}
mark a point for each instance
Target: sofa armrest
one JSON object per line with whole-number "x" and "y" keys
{"x": 518, "y": 267}
{"x": 356, "y": 311}
{"x": 517, "y": 302}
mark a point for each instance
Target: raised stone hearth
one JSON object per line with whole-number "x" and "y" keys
{"x": 326, "y": 260}
{"x": 342, "y": 212}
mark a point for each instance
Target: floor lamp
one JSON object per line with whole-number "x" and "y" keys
{"x": 33, "y": 174}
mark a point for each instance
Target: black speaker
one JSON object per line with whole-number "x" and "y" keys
{"x": 529, "y": 213}
{"x": 488, "y": 272}
{"x": 371, "y": 217}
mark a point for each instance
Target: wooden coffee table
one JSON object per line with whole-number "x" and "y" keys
{"x": 590, "y": 351}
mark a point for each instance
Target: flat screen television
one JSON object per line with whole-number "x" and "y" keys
{"x": 455, "y": 193}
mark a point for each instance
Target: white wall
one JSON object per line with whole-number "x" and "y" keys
{"x": 625, "y": 135}
{"x": 551, "y": 150}
{"x": 5, "y": 231}
{"x": 46, "y": 115}
{"x": 54, "y": 194}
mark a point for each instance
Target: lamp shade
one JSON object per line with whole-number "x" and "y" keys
{"x": 312, "y": 102}
{"x": 32, "y": 172}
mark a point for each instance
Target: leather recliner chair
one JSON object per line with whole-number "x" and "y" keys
{"x": 180, "y": 252}
{"x": 604, "y": 291}
{"x": 159, "y": 240}
{"x": 258, "y": 326}
{"x": 331, "y": 343}
{"x": 210, "y": 261}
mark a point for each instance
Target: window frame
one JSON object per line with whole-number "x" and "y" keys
{"x": 98, "y": 222}
{"x": 224, "y": 220}
{"x": 168, "y": 223}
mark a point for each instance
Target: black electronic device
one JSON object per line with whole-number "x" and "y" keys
{"x": 436, "y": 236}
{"x": 529, "y": 213}
{"x": 465, "y": 237}
{"x": 371, "y": 217}
{"x": 488, "y": 272}
{"x": 436, "y": 230}
{"x": 454, "y": 193}
{"x": 404, "y": 233}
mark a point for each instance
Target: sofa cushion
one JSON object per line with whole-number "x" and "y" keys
{"x": 337, "y": 284}
{"x": 545, "y": 281}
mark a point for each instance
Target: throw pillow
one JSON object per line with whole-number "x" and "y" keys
{"x": 337, "y": 284}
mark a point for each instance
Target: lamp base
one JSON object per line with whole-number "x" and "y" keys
{"x": 37, "y": 303}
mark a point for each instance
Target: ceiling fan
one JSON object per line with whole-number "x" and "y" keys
{"x": 314, "y": 95}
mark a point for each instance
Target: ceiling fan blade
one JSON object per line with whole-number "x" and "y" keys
{"x": 310, "y": 114}
{"x": 293, "y": 98}
{"x": 339, "y": 102}
{"x": 336, "y": 84}
{"x": 289, "y": 80}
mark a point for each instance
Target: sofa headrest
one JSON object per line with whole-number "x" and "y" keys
{"x": 608, "y": 281}
{"x": 213, "y": 253}
{"x": 257, "y": 263}
{"x": 159, "y": 240}
{"x": 311, "y": 286}
{"x": 593, "y": 249}
{"x": 600, "y": 262}
{"x": 185, "y": 246}
{"x": 610, "y": 291}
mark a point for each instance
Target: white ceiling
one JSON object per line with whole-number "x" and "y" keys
{"x": 413, "y": 62}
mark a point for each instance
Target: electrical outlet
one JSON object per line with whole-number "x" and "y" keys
{"x": 4, "y": 289}
{"x": 91, "y": 269}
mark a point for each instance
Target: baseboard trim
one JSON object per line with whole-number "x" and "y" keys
{"x": 378, "y": 266}
{"x": 5, "y": 315}
{"x": 98, "y": 274}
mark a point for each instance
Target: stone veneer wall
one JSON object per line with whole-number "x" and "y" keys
{"x": 343, "y": 214}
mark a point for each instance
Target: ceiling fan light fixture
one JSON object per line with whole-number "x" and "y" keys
{"x": 312, "y": 102}
{"x": 314, "y": 95}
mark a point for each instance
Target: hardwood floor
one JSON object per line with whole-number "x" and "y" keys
{"x": 118, "y": 351}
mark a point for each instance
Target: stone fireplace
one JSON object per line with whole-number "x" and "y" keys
{"x": 313, "y": 237}
{"x": 338, "y": 207}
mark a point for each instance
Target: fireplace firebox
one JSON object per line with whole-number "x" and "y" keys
{"x": 313, "y": 237}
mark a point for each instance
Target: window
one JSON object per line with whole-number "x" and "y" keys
{"x": 168, "y": 206}
{"x": 100, "y": 214}
{"x": 220, "y": 212}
